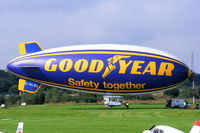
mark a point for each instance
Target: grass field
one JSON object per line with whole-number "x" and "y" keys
{"x": 95, "y": 118}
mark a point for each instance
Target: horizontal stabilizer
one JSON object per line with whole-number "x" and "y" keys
{"x": 28, "y": 86}
{"x": 29, "y": 47}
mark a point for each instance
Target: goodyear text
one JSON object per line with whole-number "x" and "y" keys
{"x": 96, "y": 66}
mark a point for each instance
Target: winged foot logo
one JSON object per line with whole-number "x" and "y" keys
{"x": 111, "y": 62}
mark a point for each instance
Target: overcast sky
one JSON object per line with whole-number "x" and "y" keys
{"x": 168, "y": 25}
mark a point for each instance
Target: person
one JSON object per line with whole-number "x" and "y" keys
{"x": 168, "y": 105}
{"x": 197, "y": 106}
{"x": 185, "y": 104}
{"x": 126, "y": 105}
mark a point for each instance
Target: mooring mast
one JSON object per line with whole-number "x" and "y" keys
{"x": 193, "y": 78}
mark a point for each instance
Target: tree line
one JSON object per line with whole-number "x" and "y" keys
{"x": 9, "y": 93}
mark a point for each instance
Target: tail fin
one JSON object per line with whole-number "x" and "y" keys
{"x": 28, "y": 86}
{"x": 20, "y": 127}
{"x": 29, "y": 47}
{"x": 196, "y": 127}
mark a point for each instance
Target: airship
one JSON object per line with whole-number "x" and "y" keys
{"x": 112, "y": 69}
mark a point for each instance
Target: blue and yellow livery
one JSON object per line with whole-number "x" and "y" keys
{"x": 29, "y": 47}
{"x": 99, "y": 68}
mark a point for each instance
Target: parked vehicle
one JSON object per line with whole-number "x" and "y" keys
{"x": 112, "y": 101}
{"x": 177, "y": 103}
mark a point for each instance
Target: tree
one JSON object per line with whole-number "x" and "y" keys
{"x": 185, "y": 92}
{"x": 172, "y": 92}
{"x": 53, "y": 96}
{"x": 2, "y": 100}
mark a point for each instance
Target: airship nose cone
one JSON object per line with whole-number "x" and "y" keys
{"x": 24, "y": 68}
{"x": 12, "y": 66}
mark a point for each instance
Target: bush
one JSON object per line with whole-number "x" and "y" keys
{"x": 36, "y": 98}
{"x": 12, "y": 100}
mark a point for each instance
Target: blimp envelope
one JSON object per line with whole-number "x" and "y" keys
{"x": 115, "y": 69}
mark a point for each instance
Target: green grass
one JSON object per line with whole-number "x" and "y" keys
{"x": 95, "y": 118}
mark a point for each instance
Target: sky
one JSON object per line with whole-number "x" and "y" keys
{"x": 172, "y": 26}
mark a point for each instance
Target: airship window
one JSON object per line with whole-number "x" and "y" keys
{"x": 161, "y": 131}
{"x": 156, "y": 131}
